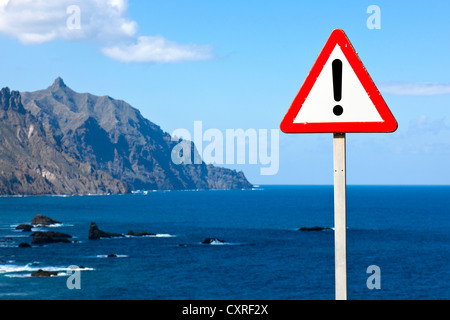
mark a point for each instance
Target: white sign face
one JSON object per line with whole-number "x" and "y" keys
{"x": 353, "y": 103}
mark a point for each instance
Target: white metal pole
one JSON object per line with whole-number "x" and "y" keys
{"x": 340, "y": 216}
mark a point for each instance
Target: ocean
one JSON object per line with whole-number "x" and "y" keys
{"x": 403, "y": 230}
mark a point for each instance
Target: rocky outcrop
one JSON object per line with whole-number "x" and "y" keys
{"x": 140, "y": 234}
{"x": 24, "y": 227}
{"x": 41, "y": 220}
{"x": 44, "y": 273}
{"x": 58, "y": 141}
{"x": 43, "y": 237}
{"x": 11, "y": 100}
{"x": 24, "y": 245}
{"x": 212, "y": 241}
{"x": 95, "y": 233}
{"x": 316, "y": 228}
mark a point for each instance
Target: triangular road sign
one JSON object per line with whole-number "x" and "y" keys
{"x": 338, "y": 95}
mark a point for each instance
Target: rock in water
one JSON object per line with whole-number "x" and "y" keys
{"x": 139, "y": 234}
{"x": 24, "y": 227}
{"x": 41, "y": 237}
{"x": 316, "y": 228}
{"x": 212, "y": 241}
{"x": 24, "y": 245}
{"x": 43, "y": 273}
{"x": 96, "y": 233}
{"x": 42, "y": 220}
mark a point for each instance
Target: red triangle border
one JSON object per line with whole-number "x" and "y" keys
{"x": 388, "y": 125}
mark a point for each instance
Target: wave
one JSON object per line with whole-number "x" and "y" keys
{"x": 13, "y": 294}
{"x": 7, "y": 242}
{"x": 6, "y": 246}
{"x": 53, "y": 225}
{"x": 15, "y": 225}
{"x": 23, "y": 271}
{"x": 157, "y": 235}
{"x": 122, "y": 236}
{"x": 163, "y": 235}
{"x": 218, "y": 243}
{"x": 212, "y": 243}
{"x": 115, "y": 256}
{"x": 160, "y": 235}
{"x": 141, "y": 192}
{"x": 21, "y": 235}
{"x": 37, "y": 227}
{"x": 19, "y": 275}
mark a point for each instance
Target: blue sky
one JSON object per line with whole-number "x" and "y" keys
{"x": 239, "y": 64}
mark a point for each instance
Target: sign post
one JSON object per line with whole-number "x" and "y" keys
{"x": 340, "y": 216}
{"x": 338, "y": 96}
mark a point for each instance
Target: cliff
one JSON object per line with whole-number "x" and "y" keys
{"x": 58, "y": 141}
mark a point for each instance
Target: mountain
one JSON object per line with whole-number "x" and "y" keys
{"x": 58, "y": 141}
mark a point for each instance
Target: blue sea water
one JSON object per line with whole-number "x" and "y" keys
{"x": 404, "y": 230}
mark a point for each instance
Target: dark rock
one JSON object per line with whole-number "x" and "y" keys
{"x": 138, "y": 234}
{"x": 24, "y": 245}
{"x": 24, "y": 227}
{"x": 96, "y": 233}
{"x": 43, "y": 273}
{"x": 41, "y": 220}
{"x": 316, "y": 228}
{"x": 41, "y": 237}
{"x": 112, "y": 255}
{"x": 212, "y": 240}
{"x": 55, "y": 234}
{"x": 58, "y": 84}
{"x": 11, "y": 101}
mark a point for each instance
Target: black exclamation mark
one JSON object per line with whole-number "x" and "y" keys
{"x": 337, "y": 85}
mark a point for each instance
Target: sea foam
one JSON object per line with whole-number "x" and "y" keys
{"x": 23, "y": 271}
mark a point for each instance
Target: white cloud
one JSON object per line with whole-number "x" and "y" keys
{"x": 414, "y": 88}
{"x": 103, "y": 22}
{"x": 157, "y": 49}
{"x": 38, "y": 21}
